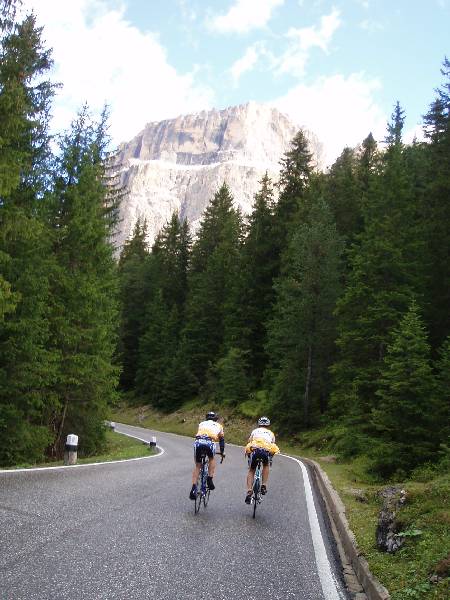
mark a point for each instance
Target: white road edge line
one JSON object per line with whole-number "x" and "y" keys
{"x": 327, "y": 579}
{"x": 106, "y": 462}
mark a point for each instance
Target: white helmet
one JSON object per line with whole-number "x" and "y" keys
{"x": 263, "y": 421}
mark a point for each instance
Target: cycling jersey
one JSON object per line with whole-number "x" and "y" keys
{"x": 261, "y": 437}
{"x": 210, "y": 429}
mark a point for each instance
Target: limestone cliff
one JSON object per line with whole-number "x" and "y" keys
{"x": 179, "y": 164}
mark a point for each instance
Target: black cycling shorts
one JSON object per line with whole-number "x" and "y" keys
{"x": 203, "y": 448}
{"x": 256, "y": 454}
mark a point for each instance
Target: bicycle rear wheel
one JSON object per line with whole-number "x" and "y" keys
{"x": 198, "y": 497}
{"x": 198, "y": 501}
{"x": 205, "y": 490}
{"x": 255, "y": 502}
{"x": 256, "y": 488}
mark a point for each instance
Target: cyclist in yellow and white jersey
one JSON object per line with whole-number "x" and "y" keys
{"x": 209, "y": 432}
{"x": 261, "y": 444}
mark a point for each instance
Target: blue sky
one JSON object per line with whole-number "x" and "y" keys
{"x": 336, "y": 67}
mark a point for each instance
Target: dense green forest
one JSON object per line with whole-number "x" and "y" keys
{"x": 327, "y": 306}
{"x": 58, "y": 277}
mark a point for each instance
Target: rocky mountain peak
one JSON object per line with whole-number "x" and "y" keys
{"x": 178, "y": 164}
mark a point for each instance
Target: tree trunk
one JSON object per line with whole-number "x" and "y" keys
{"x": 307, "y": 387}
{"x": 60, "y": 430}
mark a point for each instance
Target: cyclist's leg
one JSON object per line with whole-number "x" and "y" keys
{"x": 250, "y": 477}
{"x": 265, "y": 471}
{"x": 197, "y": 462}
{"x": 251, "y": 470}
{"x": 212, "y": 466}
{"x": 195, "y": 472}
{"x": 265, "y": 474}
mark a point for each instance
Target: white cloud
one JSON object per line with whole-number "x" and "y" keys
{"x": 340, "y": 110}
{"x": 371, "y": 26}
{"x": 187, "y": 12}
{"x": 100, "y": 57}
{"x": 415, "y": 133}
{"x": 246, "y": 62}
{"x": 244, "y": 16}
{"x": 303, "y": 40}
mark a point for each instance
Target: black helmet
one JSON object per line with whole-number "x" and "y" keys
{"x": 263, "y": 421}
{"x": 211, "y": 416}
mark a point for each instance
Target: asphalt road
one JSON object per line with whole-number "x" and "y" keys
{"x": 127, "y": 530}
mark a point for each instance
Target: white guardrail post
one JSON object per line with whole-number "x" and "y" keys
{"x": 71, "y": 449}
{"x": 152, "y": 444}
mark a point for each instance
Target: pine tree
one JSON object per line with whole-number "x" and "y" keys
{"x": 405, "y": 419}
{"x": 343, "y": 194}
{"x": 232, "y": 382}
{"x": 8, "y": 10}
{"x": 394, "y": 129}
{"x": 134, "y": 295}
{"x": 160, "y": 362}
{"x": 295, "y": 173}
{"x": 443, "y": 380}
{"x": 437, "y": 211}
{"x": 259, "y": 266}
{"x": 157, "y": 347}
{"x": 8, "y": 299}
{"x": 213, "y": 323}
{"x": 301, "y": 332}
{"x": 27, "y": 365}
{"x": 85, "y": 289}
{"x": 368, "y": 161}
{"x": 386, "y": 269}
{"x": 172, "y": 249}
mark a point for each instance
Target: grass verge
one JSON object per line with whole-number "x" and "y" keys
{"x": 425, "y": 518}
{"x": 118, "y": 447}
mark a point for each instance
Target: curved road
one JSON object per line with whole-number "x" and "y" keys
{"x": 127, "y": 530}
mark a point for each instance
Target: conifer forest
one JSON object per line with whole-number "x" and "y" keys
{"x": 328, "y": 306}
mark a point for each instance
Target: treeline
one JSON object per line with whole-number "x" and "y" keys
{"x": 327, "y": 306}
{"x": 58, "y": 276}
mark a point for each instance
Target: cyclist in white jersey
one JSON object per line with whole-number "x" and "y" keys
{"x": 209, "y": 432}
{"x": 261, "y": 444}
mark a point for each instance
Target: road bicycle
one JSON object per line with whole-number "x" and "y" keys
{"x": 203, "y": 491}
{"x": 257, "y": 482}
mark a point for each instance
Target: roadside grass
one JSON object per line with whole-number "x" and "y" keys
{"x": 183, "y": 421}
{"x": 118, "y": 447}
{"x": 425, "y": 518}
